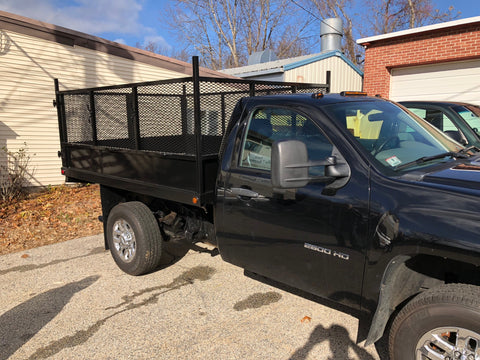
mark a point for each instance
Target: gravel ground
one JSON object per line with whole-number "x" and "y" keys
{"x": 70, "y": 301}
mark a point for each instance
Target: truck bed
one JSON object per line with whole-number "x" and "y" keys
{"x": 157, "y": 138}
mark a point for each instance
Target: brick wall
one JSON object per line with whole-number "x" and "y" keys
{"x": 449, "y": 44}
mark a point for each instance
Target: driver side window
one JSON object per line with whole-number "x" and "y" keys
{"x": 267, "y": 125}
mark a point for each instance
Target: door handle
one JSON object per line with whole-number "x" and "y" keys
{"x": 244, "y": 192}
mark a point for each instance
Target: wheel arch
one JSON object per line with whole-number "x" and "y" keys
{"x": 110, "y": 198}
{"x": 408, "y": 275}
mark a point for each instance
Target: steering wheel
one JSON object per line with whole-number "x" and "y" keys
{"x": 379, "y": 148}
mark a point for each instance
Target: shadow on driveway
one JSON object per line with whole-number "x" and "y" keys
{"x": 21, "y": 323}
{"x": 339, "y": 340}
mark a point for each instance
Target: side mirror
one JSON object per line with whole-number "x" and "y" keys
{"x": 289, "y": 164}
{"x": 290, "y": 167}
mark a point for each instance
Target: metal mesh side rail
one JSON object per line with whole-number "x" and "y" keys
{"x": 112, "y": 112}
{"x": 77, "y": 118}
{"x": 165, "y": 117}
{"x": 160, "y": 117}
{"x": 217, "y": 103}
{"x": 218, "y": 100}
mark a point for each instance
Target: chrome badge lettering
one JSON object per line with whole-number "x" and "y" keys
{"x": 326, "y": 251}
{"x": 341, "y": 255}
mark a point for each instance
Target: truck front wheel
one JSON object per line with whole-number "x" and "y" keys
{"x": 134, "y": 238}
{"x": 442, "y": 323}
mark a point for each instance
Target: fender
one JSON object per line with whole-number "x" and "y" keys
{"x": 399, "y": 283}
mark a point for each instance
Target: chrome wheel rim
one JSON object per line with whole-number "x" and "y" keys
{"x": 449, "y": 343}
{"x": 124, "y": 242}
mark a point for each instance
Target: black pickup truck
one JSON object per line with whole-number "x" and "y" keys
{"x": 343, "y": 196}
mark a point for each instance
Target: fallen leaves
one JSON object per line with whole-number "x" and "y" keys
{"x": 306, "y": 319}
{"x": 56, "y": 214}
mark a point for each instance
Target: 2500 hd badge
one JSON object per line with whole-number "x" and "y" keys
{"x": 327, "y": 251}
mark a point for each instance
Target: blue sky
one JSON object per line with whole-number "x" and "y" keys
{"x": 124, "y": 21}
{"x": 135, "y": 21}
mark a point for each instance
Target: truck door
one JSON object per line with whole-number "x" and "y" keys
{"x": 308, "y": 238}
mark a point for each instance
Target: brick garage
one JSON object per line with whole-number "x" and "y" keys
{"x": 435, "y": 62}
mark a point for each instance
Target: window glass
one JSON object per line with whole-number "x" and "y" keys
{"x": 419, "y": 112}
{"x": 441, "y": 121}
{"x": 267, "y": 125}
{"x": 448, "y": 125}
{"x": 388, "y": 133}
{"x": 471, "y": 116}
{"x": 435, "y": 117}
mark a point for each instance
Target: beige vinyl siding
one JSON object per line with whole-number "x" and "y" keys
{"x": 343, "y": 77}
{"x": 28, "y": 66}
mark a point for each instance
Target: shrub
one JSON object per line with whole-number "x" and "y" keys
{"x": 14, "y": 173}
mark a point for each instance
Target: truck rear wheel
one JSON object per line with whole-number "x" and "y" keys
{"x": 442, "y": 323}
{"x": 134, "y": 238}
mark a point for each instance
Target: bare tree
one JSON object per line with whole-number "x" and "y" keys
{"x": 378, "y": 17}
{"x": 225, "y": 32}
{"x": 156, "y": 48}
{"x": 395, "y": 15}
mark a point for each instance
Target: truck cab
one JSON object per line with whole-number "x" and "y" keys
{"x": 349, "y": 198}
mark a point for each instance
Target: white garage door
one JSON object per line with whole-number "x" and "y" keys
{"x": 452, "y": 81}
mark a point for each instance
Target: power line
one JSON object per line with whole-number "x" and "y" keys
{"x": 316, "y": 17}
{"x": 306, "y": 10}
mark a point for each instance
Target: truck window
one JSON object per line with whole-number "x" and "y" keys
{"x": 471, "y": 115}
{"x": 435, "y": 117}
{"x": 267, "y": 125}
{"x": 388, "y": 133}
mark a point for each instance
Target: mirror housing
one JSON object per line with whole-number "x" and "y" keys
{"x": 290, "y": 167}
{"x": 289, "y": 164}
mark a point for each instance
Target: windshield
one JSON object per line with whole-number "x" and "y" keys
{"x": 389, "y": 134}
{"x": 471, "y": 114}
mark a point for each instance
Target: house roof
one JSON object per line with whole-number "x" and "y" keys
{"x": 59, "y": 34}
{"x": 280, "y": 66}
{"x": 422, "y": 29}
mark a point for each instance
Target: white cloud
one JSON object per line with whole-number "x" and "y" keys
{"x": 120, "y": 41}
{"x": 156, "y": 39}
{"x": 92, "y": 17}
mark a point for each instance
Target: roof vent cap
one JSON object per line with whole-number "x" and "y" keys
{"x": 331, "y": 33}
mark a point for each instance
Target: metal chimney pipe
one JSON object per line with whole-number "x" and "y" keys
{"x": 331, "y": 32}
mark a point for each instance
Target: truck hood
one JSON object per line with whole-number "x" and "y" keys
{"x": 465, "y": 174}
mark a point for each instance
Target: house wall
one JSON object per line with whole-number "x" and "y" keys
{"x": 444, "y": 45}
{"x": 343, "y": 77}
{"x": 28, "y": 66}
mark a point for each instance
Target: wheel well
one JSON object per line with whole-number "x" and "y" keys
{"x": 197, "y": 221}
{"x": 407, "y": 276}
{"x": 446, "y": 270}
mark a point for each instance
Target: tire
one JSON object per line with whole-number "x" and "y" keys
{"x": 134, "y": 238}
{"x": 432, "y": 325}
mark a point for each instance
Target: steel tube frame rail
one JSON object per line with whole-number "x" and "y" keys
{"x": 131, "y": 95}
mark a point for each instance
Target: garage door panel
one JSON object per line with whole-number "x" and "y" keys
{"x": 454, "y": 81}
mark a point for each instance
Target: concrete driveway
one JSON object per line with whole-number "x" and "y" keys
{"x": 70, "y": 301}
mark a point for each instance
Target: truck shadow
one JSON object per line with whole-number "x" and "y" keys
{"x": 336, "y": 334}
{"x": 176, "y": 248}
{"x": 24, "y": 321}
{"x": 135, "y": 300}
{"x": 339, "y": 341}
